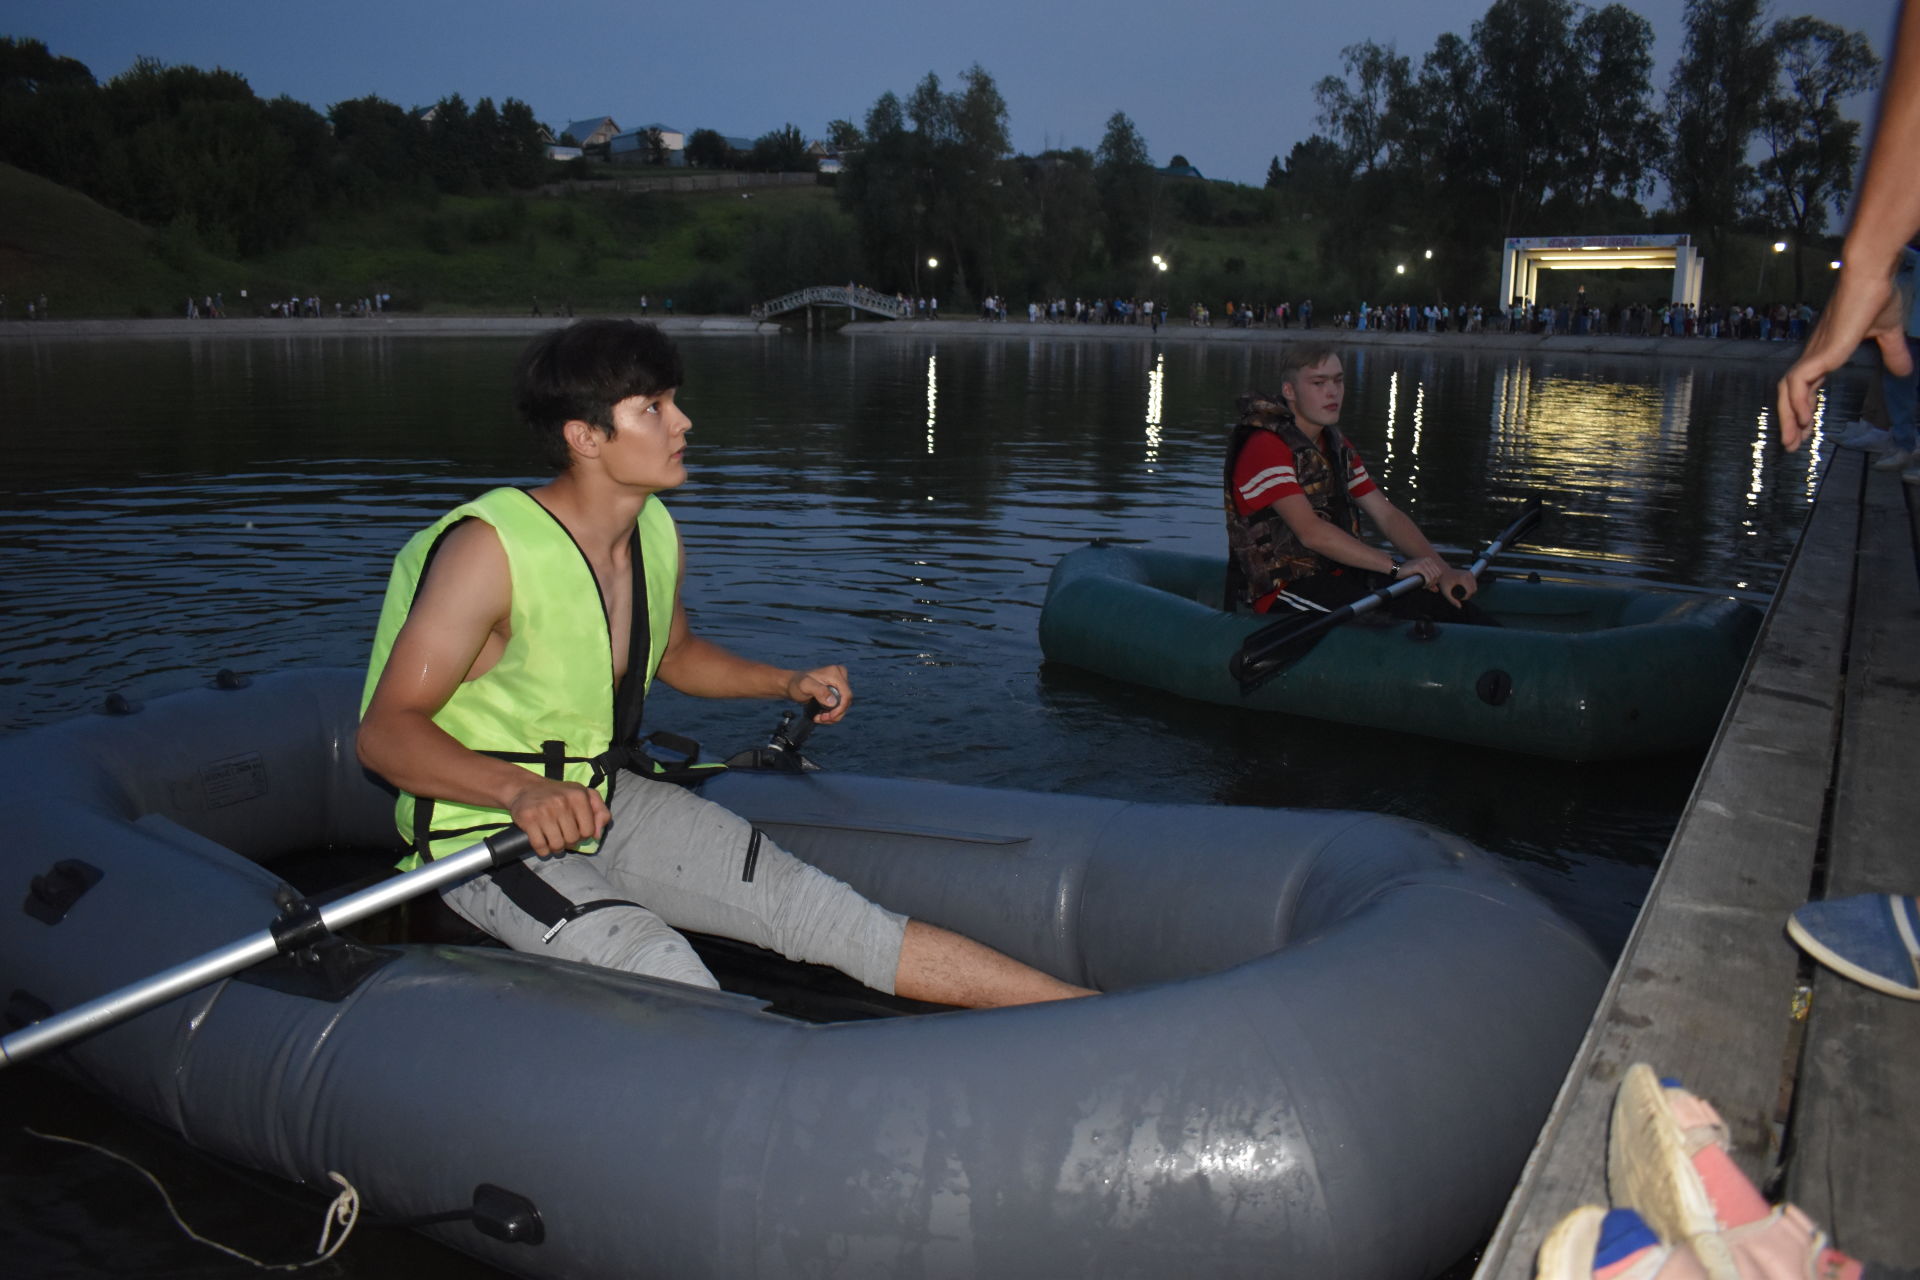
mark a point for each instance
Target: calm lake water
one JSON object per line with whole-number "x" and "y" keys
{"x": 169, "y": 508}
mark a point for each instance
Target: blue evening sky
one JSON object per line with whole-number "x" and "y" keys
{"x": 1227, "y": 83}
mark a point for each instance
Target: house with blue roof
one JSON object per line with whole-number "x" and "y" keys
{"x": 632, "y": 146}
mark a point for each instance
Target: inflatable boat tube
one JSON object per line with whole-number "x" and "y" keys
{"x": 1325, "y": 1044}
{"x": 1575, "y": 671}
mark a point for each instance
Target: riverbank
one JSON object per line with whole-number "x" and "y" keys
{"x": 1692, "y": 350}
{"x": 1688, "y": 349}
{"x": 381, "y": 326}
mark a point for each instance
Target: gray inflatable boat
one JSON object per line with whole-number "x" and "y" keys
{"x": 1326, "y": 1045}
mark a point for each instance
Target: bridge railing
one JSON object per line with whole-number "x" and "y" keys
{"x": 832, "y": 295}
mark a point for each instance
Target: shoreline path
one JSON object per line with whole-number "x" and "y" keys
{"x": 1689, "y": 349}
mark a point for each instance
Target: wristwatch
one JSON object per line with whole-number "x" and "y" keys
{"x": 1394, "y": 573}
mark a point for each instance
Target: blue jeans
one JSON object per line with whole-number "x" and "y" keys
{"x": 1901, "y": 402}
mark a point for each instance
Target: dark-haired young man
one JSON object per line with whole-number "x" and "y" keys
{"x": 518, "y": 635}
{"x": 1295, "y": 491}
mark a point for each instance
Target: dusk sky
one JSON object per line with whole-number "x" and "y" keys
{"x": 1227, "y": 83}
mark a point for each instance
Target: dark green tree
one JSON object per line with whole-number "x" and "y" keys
{"x": 707, "y": 149}
{"x": 781, "y": 150}
{"x": 974, "y": 187}
{"x": 1123, "y": 172}
{"x": 484, "y": 144}
{"x": 523, "y": 151}
{"x": 453, "y": 151}
{"x": 1276, "y": 176}
{"x": 1531, "y": 92}
{"x": 1719, "y": 89}
{"x": 1354, "y": 110}
{"x": 382, "y": 147}
{"x": 844, "y": 135}
{"x": 52, "y": 114}
{"x": 1616, "y": 139}
{"x": 1062, "y": 208}
{"x": 880, "y": 189}
{"x": 1811, "y": 148}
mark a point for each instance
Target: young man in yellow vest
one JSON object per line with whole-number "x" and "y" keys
{"x": 518, "y": 635}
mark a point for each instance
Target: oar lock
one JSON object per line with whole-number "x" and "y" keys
{"x": 314, "y": 961}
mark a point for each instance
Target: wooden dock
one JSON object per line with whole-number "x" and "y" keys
{"x": 1812, "y": 789}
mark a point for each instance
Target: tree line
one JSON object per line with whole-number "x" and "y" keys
{"x": 1544, "y": 116}
{"x": 197, "y": 152}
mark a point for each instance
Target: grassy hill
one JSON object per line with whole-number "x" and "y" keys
{"x": 86, "y": 259}
{"x": 447, "y": 255}
{"x": 711, "y": 252}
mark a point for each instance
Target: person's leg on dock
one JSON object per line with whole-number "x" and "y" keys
{"x": 1903, "y": 418}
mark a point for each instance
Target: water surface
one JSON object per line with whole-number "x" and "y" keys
{"x": 169, "y": 508}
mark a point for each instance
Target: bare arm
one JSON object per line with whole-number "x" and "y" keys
{"x": 1335, "y": 543}
{"x": 459, "y": 615}
{"x": 705, "y": 670}
{"x": 1864, "y": 303}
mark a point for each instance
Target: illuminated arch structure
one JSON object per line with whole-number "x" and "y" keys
{"x": 1525, "y": 257}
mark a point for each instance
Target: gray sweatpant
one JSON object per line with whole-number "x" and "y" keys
{"x": 685, "y": 861}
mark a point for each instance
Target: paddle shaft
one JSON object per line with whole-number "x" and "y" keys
{"x": 138, "y": 997}
{"x": 1263, "y": 645}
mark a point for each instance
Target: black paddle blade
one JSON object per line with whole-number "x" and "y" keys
{"x": 1251, "y": 671}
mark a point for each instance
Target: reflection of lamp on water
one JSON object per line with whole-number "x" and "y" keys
{"x": 933, "y": 397}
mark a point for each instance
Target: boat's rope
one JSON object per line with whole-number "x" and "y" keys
{"x": 343, "y": 1213}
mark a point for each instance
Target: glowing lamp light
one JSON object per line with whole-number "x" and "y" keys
{"x": 1834, "y": 265}
{"x": 1429, "y": 255}
{"x": 1779, "y": 246}
{"x": 1400, "y": 269}
{"x": 933, "y": 262}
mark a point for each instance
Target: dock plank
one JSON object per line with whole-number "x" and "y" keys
{"x": 1704, "y": 986}
{"x": 1856, "y": 1120}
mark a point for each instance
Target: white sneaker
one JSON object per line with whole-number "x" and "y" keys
{"x": 1897, "y": 460}
{"x": 1860, "y": 434}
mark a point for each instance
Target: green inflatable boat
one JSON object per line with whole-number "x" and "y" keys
{"x": 1575, "y": 671}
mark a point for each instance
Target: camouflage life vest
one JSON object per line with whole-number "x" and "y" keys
{"x": 1262, "y": 552}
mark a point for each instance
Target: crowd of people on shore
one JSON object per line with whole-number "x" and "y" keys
{"x": 213, "y": 306}
{"x": 37, "y": 308}
{"x": 1761, "y": 322}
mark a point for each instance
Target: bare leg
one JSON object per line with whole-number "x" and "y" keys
{"x": 940, "y": 966}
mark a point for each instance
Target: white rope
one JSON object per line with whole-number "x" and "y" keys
{"x": 344, "y": 1212}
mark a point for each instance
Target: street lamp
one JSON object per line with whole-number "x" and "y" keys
{"x": 1400, "y": 269}
{"x": 1429, "y": 255}
{"x": 931, "y": 264}
{"x": 1760, "y": 280}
